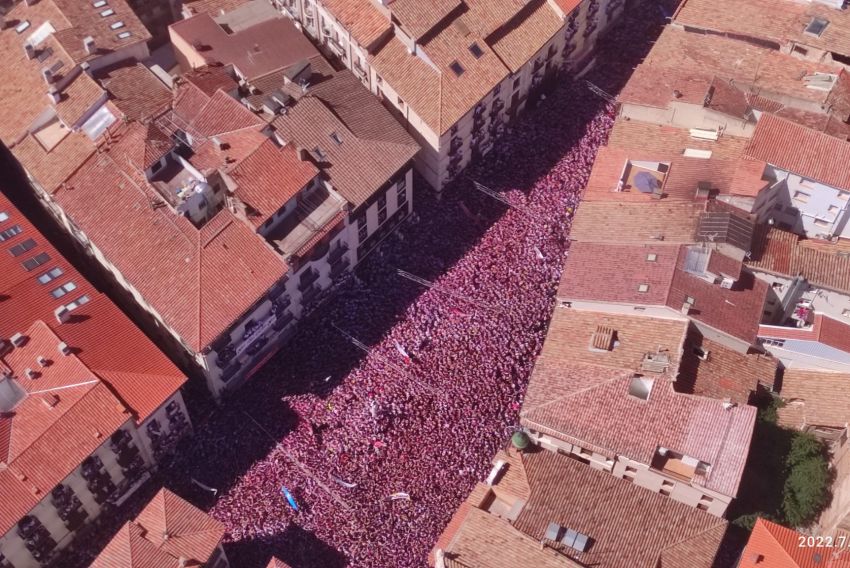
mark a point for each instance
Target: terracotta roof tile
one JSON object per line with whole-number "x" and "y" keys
{"x": 255, "y": 51}
{"x": 817, "y": 395}
{"x": 779, "y": 547}
{"x": 363, "y": 19}
{"x": 570, "y": 332}
{"x": 54, "y": 167}
{"x": 566, "y": 399}
{"x": 269, "y": 177}
{"x": 119, "y": 353}
{"x": 823, "y": 264}
{"x": 191, "y": 534}
{"x": 78, "y": 98}
{"x": 135, "y": 90}
{"x": 222, "y": 113}
{"x": 213, "y": 7}
{"x": 516, "y": 44}
{"x": 623, "y": 268}
{"x": 277, "y": 563}
{"x": 668, "y": 140}
{"x": 795, "y": 148}
{"x": 605, "y": 222}
{"x": 419, "y": 17}
{"x": 725, "y": 373}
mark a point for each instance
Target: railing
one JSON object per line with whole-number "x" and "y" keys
{"x": 307, "y": 280}
{"x": 337, "y": 252}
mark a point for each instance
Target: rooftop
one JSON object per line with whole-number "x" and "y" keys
{"x": 670, "y": 141}
{"x": 627, "y": 526}
{"x": 449, "y": 78}
{"x": 776, "y": 23}
{"x": 636, "y": 223}
{"x": 778, "y": 547}
{"x": 566, "y": 399}
{"x": 813, "y": 398}
{"x": 166, "y": 530}
{"x": 824, "y": 264}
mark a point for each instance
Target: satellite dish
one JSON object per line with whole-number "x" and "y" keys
{"x": 645, "y": 182}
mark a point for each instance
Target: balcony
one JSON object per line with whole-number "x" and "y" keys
{"x": 337, "y": 252}
{"x": 359, "y": 71}
{"x": 307, "y": 280}
{"x": 340, "y": 267}
{"x": 314, "y": 212}
{"x": 455, "y": 145}
{"x": 310, "y": 294}
{"x": 336, "y": 47}
{"x": 538, "y": 65}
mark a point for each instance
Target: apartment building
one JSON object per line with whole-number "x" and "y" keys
{"x": 542, "y": 509}
{"x": 168, "y": 533}
{"x": 602, "y": 393}
{"x": 455, "y": 72}
{"x": 237, "y": 196}
{"x": 88, "y": 404}
{"x": 717, "y": 84}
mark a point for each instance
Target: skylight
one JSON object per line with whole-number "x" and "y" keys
{"x": 117, "y": 25}
{"x": 336, "y": 137}
{"x": 123, "y": 35}
{"x": 99, "y": 4}
{"x": 475, "y": 49}
{"x": 3, "y": 216}
{"x": 106, "y": 13}
{"x": 456, "y": 68}
{"x": 21, "y": 28}
{"x": 817, "y": 26}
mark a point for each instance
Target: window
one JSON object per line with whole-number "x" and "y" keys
{"x": 106, "y": 13}
{"x": 822, "y": 223}
{"x": 845, "y": 313}
{"x": 156, "y": 166}
{"x": 23, "y": 247}
{"x": 36, "y": 261}
{"x": 651, "y": 257}
{"x": 773, "y": 342}
{"x": 667, "y": 488}
{"x": 401, "y": 195}
{"x": 51, "y": 275}
{"x": 816, "y": 26}
{"x": 382, "y": 209}
{"x": 362, "y": 230}
{"x": 475, "y": 49}
{"x": 3, "y": 216}
{"x": 453, "y": 129}
{"x": 123, "y": 35}
{"x": 842, "y": 195}
{"x": 643, "y": 287}
{"x": 456, "y": 68}
{"x": 10, "y": 232}
{"x": 336, "y": 137}
{"x": 801, "y": 196}
{"x": 77, "y": 303}
{"x": 63, "y": 289}
{"x": 117, "y": 25}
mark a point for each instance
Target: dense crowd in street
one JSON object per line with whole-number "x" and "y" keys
{"x": 355, "y": 444}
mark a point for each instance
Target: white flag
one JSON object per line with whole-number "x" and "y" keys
{"x": 401, "y": 349}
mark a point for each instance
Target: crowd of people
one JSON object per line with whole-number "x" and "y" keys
{"x": 356, "y": 443}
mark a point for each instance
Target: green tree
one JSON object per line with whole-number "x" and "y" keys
{"x": 806, "y": 490}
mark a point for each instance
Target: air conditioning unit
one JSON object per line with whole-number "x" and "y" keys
{"x": 727, "y": 283}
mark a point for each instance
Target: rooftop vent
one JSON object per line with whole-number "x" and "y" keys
{"x": 18, "y": 340}
{"x": 32, "y": 375}
{"x": 640, "y": 387}
{"x": 42, "y": 361}
{"x": 50, "y": 400}
{"x": 703, "y": 189}
{"x": 29, "y": 50}
{"x": 64, "y": 349}
{"x": 47, "y": 75}
{"x": 88, "y": 45}
{"x": 603, "y": 338}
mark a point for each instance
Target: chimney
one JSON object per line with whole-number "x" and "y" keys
{"x": 64, "y": 349}
{"x": 48, "y": 76}
{"x": 165, "y": 535}
{"x": 2, "y": 22}
{"x": 50, "y": 400}
{"x": 303, "y": 154}
{"x": 88, "y": 45}
{"x": 183, "y": 562}
{"x": 42, "y": 361}
{"x": 18, "y": 339}
{"x": 219, "y": 145}
{"x": 31, "y": 375}
{"x": 62, "y": 314}
{"x": 29, "y": 49}
{"x": 54, "y": 95}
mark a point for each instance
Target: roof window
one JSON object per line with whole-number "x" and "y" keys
{"x": 21, "y": 248}
{"x": 456, "y": 68}
{"x": 50, "y": 275}
{"x": 336, "y": 137}
{"x": 22, "y": 27}
{"x": 106, "y": 13}
{"x": 651, "y": 257}
{"x": 643, "y": 287}
{"x": 123, "y": 35}
{"x": 99, "y": 4}
{"x": 117, "y": 25}
{"x": 10, "y": 232}
{"x": 475, "y": 49}
{"x": 63, "y": 289}
{"x": 77, "y": 303}
{"x": 36, "y": 261}
{"x": 3, "y": 216}
{"x": 816, "y": 26}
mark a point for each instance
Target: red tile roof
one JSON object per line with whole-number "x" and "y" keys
{"x": 117, "y": 352}
{"x": 277, "y": 563}
{"x": 135, "y": 90}
{"x": 626, "y": 222}
{"x": 795, "y": 148}
{"x": 629, "y": 526}
{"x": 775, "y": 546}
{"x": 668, "y": 140}
{"x": 269, "y": 177}
{"x": 198, "y": 281}
{"x": 366, "y": 22}
{"x": 167, "y": 529}
{"x": 66, "y": 413}
{"x": 255, "y": 51}
{"x": 566, "y": 400}
{"x": 622, "y": 268}
{"x": 824, "y": 329}
{"x": 814, "y": 398}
